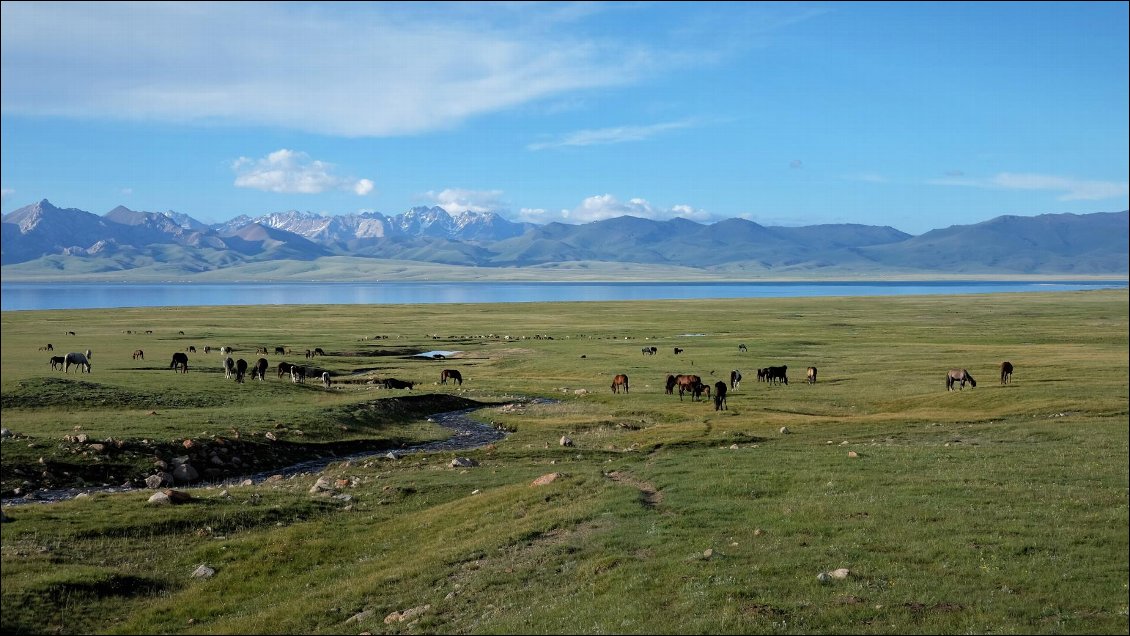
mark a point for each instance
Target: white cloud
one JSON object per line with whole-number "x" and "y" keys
{"x": 352, "y": 70}
{"x": 614, "y": 135}
{"x": 606, "y": 206}
{"x": 456, "y": 200}
{"x": 293, "y": 172}
{"x": 5, "y": 193}
{"x": 1071, "y": 189}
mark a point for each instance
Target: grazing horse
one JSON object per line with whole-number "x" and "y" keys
{"x": 735, "y": 379}
{"x": 959, "y": 375}
{"x": 297, "y": 374}
{"x": 82, "y": 361}
{"x": 259, "y": 370}
{"x": 812, "y": 375}
{"x": 326, "y": 379}
{"x": 284, "y": 368}
{"x": 678, "y": 350}
{"x": 240, "y": 370}
{"x": 280, "y": 350}
{"x": 180, "y": 361}
{"x": 779, "y": 374}
{"x": 228, "y": 365}
{"x": 688, "y": 383}
{"x": 762, "y": 375}
{"x": 191, "y": 348}
{"x": 1006, "y": 372}
{"x": 649, "y": 351}
{"x": 57, "y": 362}
{"x": 393, "y": 383}
{"x": 309, "y": 354}
{"x": 450, "y": 374}
{"x": 670, "y": 386}
{"x": 720, "y": 396}
{"x": 620, "y": 380}
{"x": 318, "y": 351}
{"x": 138, "y": 354}
{"x": 226, "y": 350}
{"x": 742, "y": 348}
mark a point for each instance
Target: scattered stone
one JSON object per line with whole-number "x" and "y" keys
{"x": 566, "y": 440}
{"x": 177, "y": 497}
{"x": 360, "y": 616}
{"x": 5, "y": 432}
{"x": 463, "y": 462}
{"x": 154, "y": 481}
{"x": 707, "y": 553}
{"x": 823, "y": 577}
{"x": 408, "y": 614}
{"x": 159, "y": 498}
{"x": 853, "y": 454}
{"x": 271, "y": 436}
{"x": 391, "y": 455}
{"x": 785, "y": 430}
{"x": 203, "y": 572}
{"x": 841, "y": 573}
{"x": 734, "y": 447}
{"x": 322, "y": 485}
{"x": 546, "y": 479}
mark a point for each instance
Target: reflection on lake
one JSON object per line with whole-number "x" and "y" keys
{"x": 29, "y": 296}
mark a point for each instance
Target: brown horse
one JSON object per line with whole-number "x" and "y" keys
{"x": 1006, "y": 372}
{"x": 450, "y": 374}
{"x": 959, "y": 375}
{"x": 260, "y": 369}
{"x": 812, "y": 375}
{"x": 689, "y": 383}
{"x": 138, "y": 354}
{"x": 620, "y": 380}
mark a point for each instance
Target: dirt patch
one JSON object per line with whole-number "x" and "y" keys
{"x": 650, "y": 497}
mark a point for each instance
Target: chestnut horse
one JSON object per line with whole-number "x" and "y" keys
{"x": 450, "y": 374}
{"x": 620, "y": 380}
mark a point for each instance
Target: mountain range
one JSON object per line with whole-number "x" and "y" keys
{"x": 41, "y": 241}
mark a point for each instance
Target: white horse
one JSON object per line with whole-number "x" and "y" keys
{"x": 326, "y": 378}
{"x": 80, "y": 360}
{"x": 228, "y": 366}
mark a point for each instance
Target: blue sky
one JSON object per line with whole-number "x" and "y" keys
{"x": 913, "y": 115}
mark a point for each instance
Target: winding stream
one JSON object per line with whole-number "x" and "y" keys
{"x": 466, "y": 434}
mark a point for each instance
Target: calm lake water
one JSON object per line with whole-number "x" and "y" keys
{"x": 30, "y": 296}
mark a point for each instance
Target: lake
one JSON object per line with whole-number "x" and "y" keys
{"x": 34, "y": 296}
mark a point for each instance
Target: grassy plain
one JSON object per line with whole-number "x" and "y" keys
{"x": 999, "y": 509}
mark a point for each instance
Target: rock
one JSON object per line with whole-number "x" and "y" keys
{"x": 566, "y": 440}
{"x": 546, "y": 479}
{"x": 853, "y": 454}
{"x": 185, "y": 473}
{"x": 785, "y": 430}
{"x": 823, "y": 577}
{"x": 159, "y": 499}
{"x": 154, "y": 481}
{"x": 841, "y": 573}
{"x": 322, "y": 485}
{"x": 5, "y": 432}
{"x": 408, "y": 614}
{"x": 177, "y": 497}
{"x": 203, "y": 572}
{"x": 463, "y": 462}
{"x": 707, "y": 553}
{"x": 360, "y": 616}
{"x": 271, "y": 436}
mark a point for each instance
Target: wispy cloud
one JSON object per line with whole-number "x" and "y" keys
{"x": 5, "y": 193}
{"x": 613, "y": 135}
{"x": 607, "y": 206}
{"x": 294, "y": 172}
{"x": 360, "y": 70}
{"x": 456, "y": 200}
{"x": 1071, "y": 189}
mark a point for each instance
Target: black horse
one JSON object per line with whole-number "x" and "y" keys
{"x": 180, "y": 361}
{"x": 720, "y": 396}
{"x": 450, "y": 374}
{"x": 959, "y": 375}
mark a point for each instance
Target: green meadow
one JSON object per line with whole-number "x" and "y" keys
{"x": 873, "y": 501}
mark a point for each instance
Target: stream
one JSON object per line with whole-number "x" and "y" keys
{"x": 466, "y": 434}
